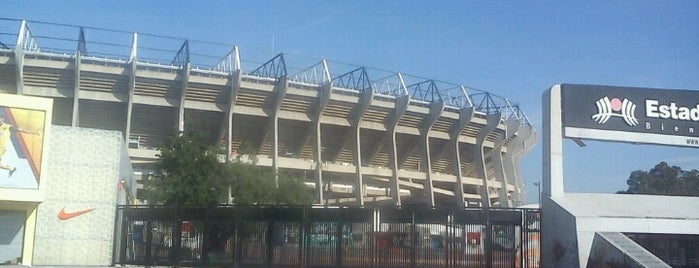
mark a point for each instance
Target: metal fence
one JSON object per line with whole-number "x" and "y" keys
{"x": 327, "y": 237}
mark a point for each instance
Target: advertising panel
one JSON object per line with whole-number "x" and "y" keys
{"x": 628, "y": 114}
{"x": 24, "y": 133}
{"x": 21, "y": 146}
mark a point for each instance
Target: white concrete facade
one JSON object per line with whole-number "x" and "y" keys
{"x": 84, "y": 175}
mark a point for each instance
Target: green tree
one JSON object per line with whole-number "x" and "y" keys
{"x": 251, "y": 184}
{"x": 187, "y": 172}
{"x": 663, "y": 179}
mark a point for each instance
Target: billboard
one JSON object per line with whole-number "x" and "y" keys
{"x": 24, "y": 124}
{"x": 629, "y": 114}
{"x": 21, "y": 146}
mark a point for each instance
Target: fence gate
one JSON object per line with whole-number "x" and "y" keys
{"x": 327, "y": 237}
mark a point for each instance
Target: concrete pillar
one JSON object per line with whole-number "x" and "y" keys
{"x": 363, "y": 105}
{"x": 227, "y": 127}
{"x": 529, "y": 143}
{"x": 514, "y": 148}
{"x": 325, "y": 92}
{"x": 511, "y": 127}
{"x": 132, "y": 85}
{"x": 553, "y": 143}
{"x": 436, "y": 109}
{"x": 183, "y": 96}
{"x": 401, "y": 107}
{"x": 75, "y": 121}
{"x": 492, "y": 122}
{"x": 465, "y": 116}
{"x": 359, "y": 182}
{"x": 280, "y": 89}
{"x": 19, "y": 56}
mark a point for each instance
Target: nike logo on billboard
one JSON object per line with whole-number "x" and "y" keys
{"x": 63, "y": 215}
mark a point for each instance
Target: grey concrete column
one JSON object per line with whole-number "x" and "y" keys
{"x": 465, "y": 116}
{"x": 363, "y": 105}
{"x": 553, "y": 144}
{"x": 401, "y": 107}
{"x": 280, "y": 89}
{"x": 496, "y": 157}
{"x": 75, "y": 121}
{"x": 19, "y": 58}
{"x": 514, "y": 148}
{"x": 318, "y": 150}
{"x": 436, "y": 109}
{"x": 529, "y": 143}
{"x": 132, "y": 85}
{"x": 359, "y": 183}
{"x": 227, "y": 127}
{"x": 325, "y": 93}
{"x": 183, "y": 96}
{"x": 492, "y": 122}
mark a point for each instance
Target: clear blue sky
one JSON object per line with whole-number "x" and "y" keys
{"x": 515, "y": 49}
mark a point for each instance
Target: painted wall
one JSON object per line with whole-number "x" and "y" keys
{"x": 11, "y": 233}
{"x": 75, "y": 224}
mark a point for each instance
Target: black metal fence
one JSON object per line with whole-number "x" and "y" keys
{"x": 327, "y": 237}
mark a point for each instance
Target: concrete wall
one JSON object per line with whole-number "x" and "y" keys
{"x": 11, "y": 231}
{"x": 559, "y": 241}
{"x": 83, "y": 174}
{"x": 617, "y": 250}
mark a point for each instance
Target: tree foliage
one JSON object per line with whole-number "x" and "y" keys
{"x": 664, "y": 179}
{"x": 251, "y": 184}
{"x": 188, "y": 173}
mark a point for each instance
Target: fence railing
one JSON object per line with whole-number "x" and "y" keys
{"x": 327, "y": 237}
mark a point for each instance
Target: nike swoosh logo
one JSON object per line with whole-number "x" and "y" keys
{"x": 63, "y": 215}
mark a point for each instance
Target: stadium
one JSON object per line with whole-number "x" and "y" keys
{"x": 359, "y": 136}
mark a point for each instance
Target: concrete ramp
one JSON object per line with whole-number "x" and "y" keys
{"x": 614, "y": 249}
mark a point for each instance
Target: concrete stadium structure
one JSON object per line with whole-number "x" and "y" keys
{"x": 356, "y": 140}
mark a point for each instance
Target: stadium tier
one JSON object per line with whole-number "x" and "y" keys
{"x": 358, "y": 136}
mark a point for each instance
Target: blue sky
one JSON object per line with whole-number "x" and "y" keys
{"x": 516, "y": 49}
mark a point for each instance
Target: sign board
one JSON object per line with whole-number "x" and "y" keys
{"x": 628, "y": 114}
{"x": 24, "y": 131}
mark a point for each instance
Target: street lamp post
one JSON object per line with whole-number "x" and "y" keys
{"x": 538, "y": 191}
